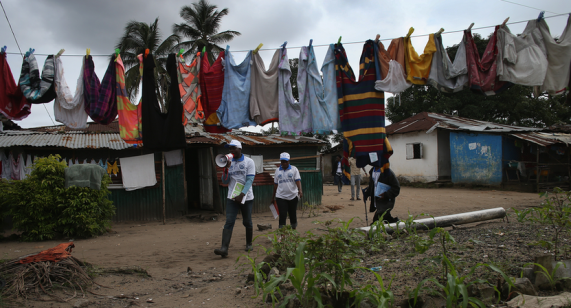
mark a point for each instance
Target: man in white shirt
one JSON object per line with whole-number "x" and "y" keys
{"x": 287, "y": 190}
{"x": 338, "y": 173}
{"x": 239, "y": 175}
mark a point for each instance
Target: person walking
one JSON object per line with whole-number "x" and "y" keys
{"x": 337, "y": 171}
{"x": 287, "y": 191}
{"x": 239, "y": 174}
{"x": 355, "y": 178}
{"x": 386, "y": 202}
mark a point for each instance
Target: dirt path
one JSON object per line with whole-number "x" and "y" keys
{"x": 167, "y": 251}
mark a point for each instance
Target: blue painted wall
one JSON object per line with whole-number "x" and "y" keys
{"x": 476, "y": 158}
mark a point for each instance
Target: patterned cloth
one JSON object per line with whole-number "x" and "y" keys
{"x": 13, "y": 103}
{"x": 362, "y": 108}
{"x": 69, "y": 108}
{"x": 291, "y": 112}
{"x": 189, "y": 86}
{"x": 100, "y": 98}
{"x": 37, "y": 90}
{"x": 482, "y": 72}
{"x": 130, "y": 127}
{"x": 212, "y": 84}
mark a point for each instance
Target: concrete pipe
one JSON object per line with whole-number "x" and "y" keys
{"x": 448, "y": 220}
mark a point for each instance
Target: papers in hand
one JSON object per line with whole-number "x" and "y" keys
{"x": 237, "y": 190}
{"x": 381, "y": 188}
{"x": 275, "y": 211}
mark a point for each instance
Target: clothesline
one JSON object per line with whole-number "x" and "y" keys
{"x": 322, "y": 45}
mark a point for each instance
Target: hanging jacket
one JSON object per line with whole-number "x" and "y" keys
{"x": 161, "y": 131}
{"x": 418, "y": 67}
{"x": 189, "y": 87}
{"x": 291, "y": 112}
{"x": 37, "y": 90}
{"x": 558, "y": 56}
{"x": 13, "y": 103}
{"x": 362, "y": 108}
{"x": 330, "y": 87}
{"x": 212, "y": 84}
{"x": 483, "y": 72}
{"x": 130, "y": 124}
{"x": 100, "y": 98}
{"x": 234, "y": 110}
{"x": 445, "y": 75}
{"x": 69, "y": 109}
{"x": 520, "y": 60}
{"x": 392, "y": 78}
{"x": 264, "y": 102}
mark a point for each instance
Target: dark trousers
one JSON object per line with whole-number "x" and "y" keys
{"x": 338, "y": 179}
{"x": 287, "y": 207}
{"x": 384, "y": 207}
{"x": 232, "y": 208}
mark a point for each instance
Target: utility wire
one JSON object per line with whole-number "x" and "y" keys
{"x": 531, "y": 7}
{"x": 15, "y": 39}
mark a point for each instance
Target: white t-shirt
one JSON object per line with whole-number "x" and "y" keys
{"x": 339, "y": 170}
{"x": 239, "y": 169}
{"x": 286, "y": 180}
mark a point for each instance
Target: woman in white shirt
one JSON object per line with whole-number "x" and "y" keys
{"x": 287, "y": 191}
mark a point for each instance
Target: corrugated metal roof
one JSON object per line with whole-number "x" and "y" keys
{"x": 426, "y": 121}
{"x": 250, "y": 139}
{"x": 72, "y": 140}
{"x": 544, "y": 139}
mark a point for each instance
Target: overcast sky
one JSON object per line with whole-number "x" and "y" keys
{"x": 49, "y": 25}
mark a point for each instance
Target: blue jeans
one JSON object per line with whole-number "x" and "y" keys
{"x": 232, "y": 208}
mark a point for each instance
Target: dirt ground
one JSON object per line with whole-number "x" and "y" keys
{"x": 186, "y": 273}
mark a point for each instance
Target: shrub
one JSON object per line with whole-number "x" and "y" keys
{"x": 41, "y": 206}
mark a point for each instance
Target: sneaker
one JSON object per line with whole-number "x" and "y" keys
{"x": 353, "y": 199}
{"x": 358, "y": 198}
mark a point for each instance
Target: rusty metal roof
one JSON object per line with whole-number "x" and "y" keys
{"x": 428, "y": 121}
{"x": 544, "y": 139}
{"x": 72, "y": 140}
{"x": 250, "y": 139}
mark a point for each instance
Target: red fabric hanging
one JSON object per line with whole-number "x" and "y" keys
{"x": 13, "y": 104}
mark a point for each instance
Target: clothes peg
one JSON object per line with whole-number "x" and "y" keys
{"x": 437, "y": 34}
{"x": 3, "y": 51}
{"x": 310, "y": 43}
{"x": 505, "y": 21}
{"x": 147, "y": 51}
{"x": 117, "y": 51}
{"x": 410, "y": 31}
{"x": 540, "y": 17}
{"x": 258, "y": 48}
{"x": 284, "y": 44}
{"x": 471, "y": 25}
{"x": 180, "y": 52}
{"x": 339, "y": 41}
{"x": 87, "y": 52}
{"x": 60, "y": 52}
{"x": 203, "y": 49}
{"x": 377, "y": 38}
{"x": 29, "y": 52}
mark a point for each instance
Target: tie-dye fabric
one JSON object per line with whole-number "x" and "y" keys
{"x": 190, "y": 92}
{"x": 130, "y": 127}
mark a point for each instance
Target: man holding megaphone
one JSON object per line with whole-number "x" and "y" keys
{"x": 239, "y": 174}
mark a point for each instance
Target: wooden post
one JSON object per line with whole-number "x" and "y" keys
{"x": 164, "y": 188}
{"x": 184, "y": 177}
{"x": 218, "y": 206}
{"x": 537, "y": 168}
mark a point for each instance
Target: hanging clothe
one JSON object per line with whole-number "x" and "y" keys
{"x": 69, "y": 109}
{"x": 85, "y": 161}
{"x": 13, "y": 103}
{"x": 112, "y": 169}
{"x": 264, "y": 100}
{"x": 391, "y": 63}
{"x": 15, "y": 168}
{"x": 161, "y": 131}
{"x": 212, "y": 84}
{"x": 28, "y": 166}
{"x": 139, "y": 171}
{"x": 520, "y": 60}
{"x": 558, "y": 57}
{"x": 234, "y": 110}
{"x": 84, "y": 176}
{"x": 100, "y": 98}
{"x": 93, "y": 162}
{"x": 130, "y": 125}
{"x": 445, "y": 75}
{"x": 173, "y": 158}
{"x": 101, "y": 164}
{"x": 418, "y": 67}
{"x": 362, "y": 108}
{"x": 6, "y": 166}
{"x": 483, "y": 72}
{"x": 291, "y": 112}
{"x": 37, "y": 90}
{"x": 22, "y": 167}
{"x": 189, "y": 85}
{"x": 330, "y": 87}
{"x": 70, "y": 163}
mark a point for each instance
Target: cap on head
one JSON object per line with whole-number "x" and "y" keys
{"x": 234, "y": 143}
{"x": 284, "y": 156}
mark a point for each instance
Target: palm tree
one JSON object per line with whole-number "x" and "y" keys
{"x": 137, "y": 37}
{"x": 201, "y": 25}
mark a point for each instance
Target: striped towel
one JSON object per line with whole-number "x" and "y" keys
{"x": 37, "y": 90}
{"x": 212, "y": 83}
{"x": 362, "y": 108}
{"x": 100, "y": 98}
{"x": 130, "y": 127}
{"x": 190, "y": 93}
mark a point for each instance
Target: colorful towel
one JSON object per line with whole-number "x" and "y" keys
{"x": 130, "y": 125}
{"x": 291, "y": 112}
{"x": 13, "y": 103}
{"x": 100, "y": 98}
{"x": 69, "y": 108}
{"x": 362, "y": 108}
{"x": 190, "y": 93}
{"x": 212, "y": 84}
{"x": 234, "y": 110}
{"x": 37, "y": 90}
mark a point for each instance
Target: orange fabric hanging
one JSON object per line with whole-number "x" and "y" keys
{"x": 55, "y": 254}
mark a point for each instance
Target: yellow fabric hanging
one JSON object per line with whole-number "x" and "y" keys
{"x": 418, "y": 67}
{"x": 112, "y": 168}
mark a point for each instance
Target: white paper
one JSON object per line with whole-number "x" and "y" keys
{"x": 373, "y": 157}
{"x": 472, "y": 146}
{"x": 274, "y": 211}
{"x": 237, "y": 190}
{"x": 484, "y": 149}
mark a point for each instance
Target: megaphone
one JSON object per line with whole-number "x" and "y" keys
{"x": 222, "y": 160}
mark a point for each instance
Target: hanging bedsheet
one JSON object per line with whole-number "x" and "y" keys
{"x": 13, "y": 103}
{"x": 234, "y": 110}
{"x": 558, "y": 57}
{"x": 189, "y": 88}
{"x": 445, "y": 75}
{"x": 483, "y": 72}
{"x": 212, "y": 84}
{"x": 37, "y": 90}
{"x": 130, "y": 115}
{"x": 362, "y": 108}
{"x": 161, "y": 131}
{"x": 291, "y": 120}
{"x": 264, "y": 106}
{"x": 100, "y": 98}
{"x": 69, "y": 108}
